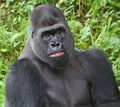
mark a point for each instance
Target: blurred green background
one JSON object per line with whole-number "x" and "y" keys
{"x": 94, "y": 23}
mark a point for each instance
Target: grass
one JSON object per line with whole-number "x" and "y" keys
{"x": 94, "y": 23}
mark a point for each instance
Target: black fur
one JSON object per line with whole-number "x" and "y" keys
{"x": 25, "y": 86}
{"x": 51, "y": 73}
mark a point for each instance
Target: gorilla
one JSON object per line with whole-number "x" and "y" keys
{"x": 52, "y": 73}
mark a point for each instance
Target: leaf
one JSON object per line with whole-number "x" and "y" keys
{"x": 84, "y": 32}
{"x": 3, "y": 50}
{"x": 15, "y": 36}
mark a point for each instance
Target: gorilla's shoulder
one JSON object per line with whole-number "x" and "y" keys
{"x": 22, "y": 62}
{"x": 98, "y": 56}
{"x": 22, "y": 65}
{"x": 94, "y": 55}
{"x": 95, "y": 61}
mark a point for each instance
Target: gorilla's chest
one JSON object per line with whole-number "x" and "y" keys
{"x": 67, "y": 90}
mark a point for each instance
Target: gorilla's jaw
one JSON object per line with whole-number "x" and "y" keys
{"x": 58, "y": 60}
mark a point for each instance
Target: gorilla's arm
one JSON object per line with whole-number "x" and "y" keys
{"x": 104, "y": 90}
{"x": 25, "y": 87}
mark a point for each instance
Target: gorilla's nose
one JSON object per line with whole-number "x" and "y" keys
{"x": 55, "y": 45}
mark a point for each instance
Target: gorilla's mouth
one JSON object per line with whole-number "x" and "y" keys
{"x": 56, "y": 54}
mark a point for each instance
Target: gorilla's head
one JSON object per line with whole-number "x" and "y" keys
{"x": 50, "y": 37}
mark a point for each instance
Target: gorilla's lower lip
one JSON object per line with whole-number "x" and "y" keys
{"x": 56, "y": 54}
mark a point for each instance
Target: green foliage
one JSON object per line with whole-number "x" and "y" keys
{"x": 94, "y": 23}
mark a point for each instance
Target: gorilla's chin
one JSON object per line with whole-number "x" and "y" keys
{"x": 59, "y": 61}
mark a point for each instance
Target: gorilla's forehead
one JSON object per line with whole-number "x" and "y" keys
{"x": 46, "y": 16}
{"x": 53, "y": 27}
{"x": 47, "y": 11}
{"x": 46, "y": 20}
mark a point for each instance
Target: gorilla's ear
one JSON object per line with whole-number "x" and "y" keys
{"x": 32, "y": 34}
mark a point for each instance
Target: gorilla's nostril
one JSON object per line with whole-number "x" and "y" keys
{"x": 52, "y": 45}
{"x": 55, "y": 45}
{"x": 58, "y": 44}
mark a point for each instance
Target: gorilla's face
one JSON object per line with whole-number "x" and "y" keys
{"x": 51, "y": 39}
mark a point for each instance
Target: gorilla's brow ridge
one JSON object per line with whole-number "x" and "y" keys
{"x": 53, "y": 27}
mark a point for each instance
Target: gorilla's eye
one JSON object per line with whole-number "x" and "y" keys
{"x": 46, "y": 36}
{"x": 58, "y": 32}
